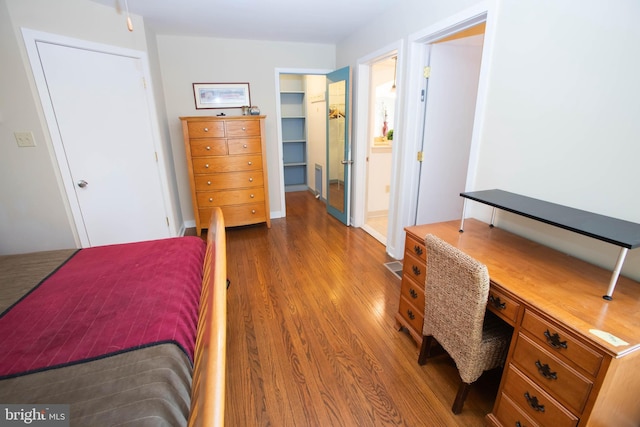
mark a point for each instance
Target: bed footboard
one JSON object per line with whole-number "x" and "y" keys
{"x": 208, "y": 386}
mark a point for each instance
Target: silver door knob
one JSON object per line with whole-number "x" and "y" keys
{"x": 82, "y": 183}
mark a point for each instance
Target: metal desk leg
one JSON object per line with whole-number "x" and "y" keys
{"x": 464, "y": 211}
{"x": 616, "y": 273}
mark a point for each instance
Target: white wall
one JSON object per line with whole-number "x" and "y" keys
{"x": 188, "y": 60}
{"x": 33, "y": 210}
{"x": 561, "y": 114}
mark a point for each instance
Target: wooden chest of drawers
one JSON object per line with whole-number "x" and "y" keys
{"x": 226, "y": 160}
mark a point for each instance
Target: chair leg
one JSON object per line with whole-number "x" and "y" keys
{"x": 463, "y": 391}
{"x": 425, "y": 349}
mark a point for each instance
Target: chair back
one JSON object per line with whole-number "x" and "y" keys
{"x": 456, "y": 292}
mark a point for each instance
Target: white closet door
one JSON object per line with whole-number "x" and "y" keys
{"x": 449, "y": 121}
{"x": 102, "y": 117}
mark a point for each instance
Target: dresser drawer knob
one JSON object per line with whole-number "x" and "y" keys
{"x": 533, "y": 402}
{"x": 244, "y": 145}
{"x": 250, "y": 179}
{"x": 249, "y": 163}
{"x": 206, "y": 165}
{"x": 211, "y": 199}
{"x": 244, "y": 128}
{"x": 253, "y": 211}
{"x": 417, "y": 249}
{"x": 413, "y": 293}
{"x": 252, "y": 196}
{"x": 545, "y": 371}
{"x": 496, "y": 303}
{"x": 554, "y": 340}
{"x": 208, "y": 148}
{"x": 411, "y": 315}
{"x": 208, "y": 182}
{"x": 206, "y": 129}
{"x": 416, "y": 270}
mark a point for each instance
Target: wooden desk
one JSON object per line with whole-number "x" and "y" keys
{"x": 574, "y": 358}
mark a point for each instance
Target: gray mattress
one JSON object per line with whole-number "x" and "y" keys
{"x": 145, "y": 387}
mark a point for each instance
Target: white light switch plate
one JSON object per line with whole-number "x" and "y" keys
{"x": 25, "y": 139}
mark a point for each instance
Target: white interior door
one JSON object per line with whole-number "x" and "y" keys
{"x": 103, "y": 121}
{"x": 449, "y": 120}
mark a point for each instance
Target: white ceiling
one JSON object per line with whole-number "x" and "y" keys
{"x": 309, "y": 21}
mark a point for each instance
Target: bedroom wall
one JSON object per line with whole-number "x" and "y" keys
{"x": 561, "y": 110}
{"x": 34, "y": 213}
{"x": 188, "y": 60}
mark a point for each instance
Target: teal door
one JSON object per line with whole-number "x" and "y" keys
{"x": 338, "y": 144}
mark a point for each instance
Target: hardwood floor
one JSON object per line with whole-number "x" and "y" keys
{"x": 311, "y": 333}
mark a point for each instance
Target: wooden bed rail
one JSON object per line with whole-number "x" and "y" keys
{"x": 209, "y": 365}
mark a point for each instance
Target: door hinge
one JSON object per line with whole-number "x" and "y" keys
{"x": 420, "y": 156}
{"x": 426, "y": 72}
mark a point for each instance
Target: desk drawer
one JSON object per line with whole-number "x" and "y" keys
{"x": 561, "y": 343}
{"x": 412, "y": 315}
{"x": 509, "y": 414}
{"x": 243, "y": 128}
{"x": 554, "y": 375}
{"x": 502, "y": 305}
{"x": 206, "y": 129}
{"x": 414, "y": 268}
{"x": 413, "y": 292}
{"x": 245, "y": 145}
{"x": 208, "y": 147}
{"x": 541, "y": 407}
{"x": 416, "y": 248}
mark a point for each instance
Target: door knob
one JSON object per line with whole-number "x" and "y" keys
{"x": 82, "y": 183}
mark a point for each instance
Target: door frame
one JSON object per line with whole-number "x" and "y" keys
{"x": 31, "y": 37}
{"x": 278, "y": 71}
{"x": 362, "y": 141}
{"x": 413, "y": 110}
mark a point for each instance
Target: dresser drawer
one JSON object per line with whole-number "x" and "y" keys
{"x": 244, "y": 146}
{"x": 554, "y": 375}
{"x": 539, "y": 405}
{"x": 561, "y": 343}
{"x": 239, "y": 214}
{"x": 416, "y": 248}
{"x": 208, "y": 147}
{"x": 502, "y": 305}
{"x": 221, "y": 181}
{"x": 243, "y": 128}
{"x": 412, "y": 315}
{"x": 414, "y": 268}
{"x": 230, "y": 197}
{"x": 206, "y": 129}
{"x": 413, "y": 292}
{"x": 509, "y": 414}
{"x": 226, "y": 164}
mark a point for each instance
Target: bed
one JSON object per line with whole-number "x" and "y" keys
{"x": 118, "y": 333}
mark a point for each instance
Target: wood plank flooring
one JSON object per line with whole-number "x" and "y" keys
{"x": 311, "y": 333}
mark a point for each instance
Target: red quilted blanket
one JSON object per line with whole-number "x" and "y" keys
{"x": 104, "y": 301}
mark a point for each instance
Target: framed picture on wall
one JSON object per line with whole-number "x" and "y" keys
{"x": 221, "y": 95}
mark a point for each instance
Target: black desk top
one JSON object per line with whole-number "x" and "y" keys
{"x": 612, "y": 230}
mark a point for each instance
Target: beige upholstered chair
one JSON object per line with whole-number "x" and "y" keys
{"x": 456, "y": 292}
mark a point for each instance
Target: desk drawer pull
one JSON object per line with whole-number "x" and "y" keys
{"x": 411, "y": 315}
{"x": 416, "y": 270}
{"x": 496, "y": 303}
{"x": 417, "y": 249}
{"x": 413, "y": 293}
{"x": 545, "y": 371}
{"x": 533, "y": 402}
{"x": 554, "y": 340}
